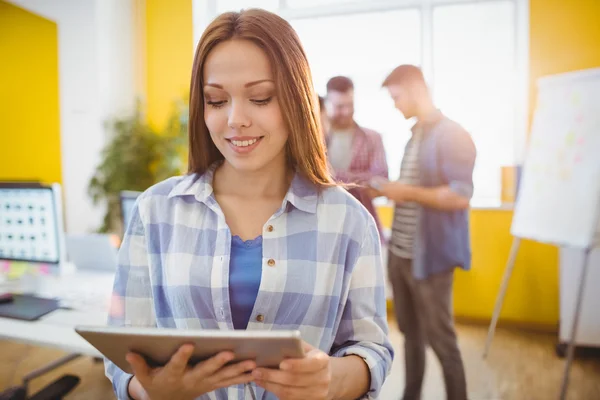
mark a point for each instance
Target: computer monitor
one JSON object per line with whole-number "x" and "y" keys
{"x": 128, "y": 199}
{"x": 31, "y": 223}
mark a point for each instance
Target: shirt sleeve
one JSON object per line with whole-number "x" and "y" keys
{"x": 131, "y": 303}
{"x": 458, "y": 155}
{"x": 363, "y": 329}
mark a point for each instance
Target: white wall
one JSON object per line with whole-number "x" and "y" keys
{"x": 95, "y": 42}
{"x": 115, "y": 55}
{"x": 203, "y": 12}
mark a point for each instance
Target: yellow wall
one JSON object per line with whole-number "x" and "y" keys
{"x": 532, "y": 298}
{"x": 169, "y": 55}
{"x": 564, "y": 36}
{"x": 29, "y": 99}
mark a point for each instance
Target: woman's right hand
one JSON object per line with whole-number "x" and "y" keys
{"x": 178, "y": 381}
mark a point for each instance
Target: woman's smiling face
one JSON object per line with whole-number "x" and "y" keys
{"x": 241, "y": 108}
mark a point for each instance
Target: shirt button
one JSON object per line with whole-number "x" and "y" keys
{"x": 260, "y": 318}
{"x": 271, "y": 262}
{"x": 270, "y": 228}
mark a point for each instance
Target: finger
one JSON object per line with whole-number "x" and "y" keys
{"x": 237, "y": 380}
{"x": 233, "y": 371}
{"x": 307, "y": 347}
{"x": 315, "y": 360}
{"x": 212, "y": 365}
{"x": 288, "y": 379}
{"x": 139, "y": 367}
{"x": 179, "y": 361}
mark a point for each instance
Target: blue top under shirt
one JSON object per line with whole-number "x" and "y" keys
{"x": 245, "y": 270}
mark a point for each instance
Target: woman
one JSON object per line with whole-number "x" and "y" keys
{"x": 256, "y": 236}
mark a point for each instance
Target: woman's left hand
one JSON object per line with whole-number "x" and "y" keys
{"x": 305, "y": 378}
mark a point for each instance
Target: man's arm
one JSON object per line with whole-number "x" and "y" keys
{"x": 440, "y": 198}
{"x": 456, "y": 164}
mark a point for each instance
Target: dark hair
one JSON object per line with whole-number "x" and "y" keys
{"x": 405, "y": 74}
{"x": 340, "y": 84}
{"x": 297, "y": 98}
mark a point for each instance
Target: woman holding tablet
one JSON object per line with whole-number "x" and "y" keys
{"x": 256, "y": 236}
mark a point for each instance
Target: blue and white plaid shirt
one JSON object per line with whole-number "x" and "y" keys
{"x": 322, "y": 273}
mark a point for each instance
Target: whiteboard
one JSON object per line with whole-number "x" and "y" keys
{"x": 559, "y": 196}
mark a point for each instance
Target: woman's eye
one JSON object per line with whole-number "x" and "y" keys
{"x": 216, "y": 104}
{"x": 262, "y": 102}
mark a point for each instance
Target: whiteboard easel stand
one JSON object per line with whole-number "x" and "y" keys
{"x": 571, "y": 348}
{"x": 500, "y": 300}
{"x": 510, "y": 264}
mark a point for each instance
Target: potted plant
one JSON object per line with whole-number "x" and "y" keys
{"x": 136, "y": 157}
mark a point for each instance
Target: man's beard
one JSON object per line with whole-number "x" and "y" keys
{"x": 341, "y": 123}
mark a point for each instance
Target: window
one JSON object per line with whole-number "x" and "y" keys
{"x": 474, "y": 71}
{"x": 358, "y": 40}
{"x": 473, "y": 53}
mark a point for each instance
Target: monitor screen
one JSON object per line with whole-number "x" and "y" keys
{"x": 128, "y": 199}
{"x": 29, "y": 226}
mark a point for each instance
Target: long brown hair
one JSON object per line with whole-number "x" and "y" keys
{"x": 297, "y": 98}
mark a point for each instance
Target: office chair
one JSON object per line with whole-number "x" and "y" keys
{"x": 54, "y": 391}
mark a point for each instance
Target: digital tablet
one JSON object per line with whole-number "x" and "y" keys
{"x": 157, "y": 345}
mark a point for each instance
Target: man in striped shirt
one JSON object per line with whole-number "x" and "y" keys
{"x": 430, "y": 235}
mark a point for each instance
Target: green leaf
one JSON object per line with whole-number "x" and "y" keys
{"x": 137, "y": 157}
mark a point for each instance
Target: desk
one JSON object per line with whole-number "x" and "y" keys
{"x": 56, "y": 328}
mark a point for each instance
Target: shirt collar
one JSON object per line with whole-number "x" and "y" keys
{"x": 428, "y": 122}
{"x": 199, "y": 186}
{"x": 302, "y": 194}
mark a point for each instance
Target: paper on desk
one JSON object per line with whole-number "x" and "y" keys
{"x": 17, "y": 270}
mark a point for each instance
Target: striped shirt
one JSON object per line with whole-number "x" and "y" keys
{"x": 321, "y": 273}
{"x": 406, "y": 214}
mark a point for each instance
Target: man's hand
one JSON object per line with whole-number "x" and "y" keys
{"x": 374, "y": 186}
{"x": 372, "y": 193}
{"x": 396, "y": 191}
